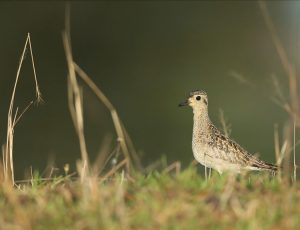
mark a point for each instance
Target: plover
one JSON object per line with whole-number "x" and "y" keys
{"x": 214, "y": 150}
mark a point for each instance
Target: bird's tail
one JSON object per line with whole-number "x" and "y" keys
{"x": 261, "y": 165}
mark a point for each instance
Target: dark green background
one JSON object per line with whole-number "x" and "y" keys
{"x": 146, "y": 57}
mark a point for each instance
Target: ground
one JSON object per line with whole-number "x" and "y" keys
{"x": 184, "y": 200}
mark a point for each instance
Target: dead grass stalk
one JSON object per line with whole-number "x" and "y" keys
{"x": 13, "y": 117}
{"x": 292, "y": 106}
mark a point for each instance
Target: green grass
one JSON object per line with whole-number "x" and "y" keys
{"x": 153, "y": 201}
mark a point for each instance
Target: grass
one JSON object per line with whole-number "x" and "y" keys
{"x": 153, "y": 201}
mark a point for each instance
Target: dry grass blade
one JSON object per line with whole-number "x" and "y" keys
{"x": 83, "y": 75}
{"x": 133, "y": 152}
{"x": 103, "y": 154}
{"x": 241, "y": 79}
{"x": 285, "y": 106}
{"x": 75, "y": 102}
{"x": 277, "y": 148}
{"x": 123, "y": 136}
{"x": 226, "y": 127}
{"x": 294, "y": 154}
{"x": 276, "y": 142}
{"x": 174, "y": 166}
{"x": 1, "y": 173}
{"x": 37, "y": 90}
{"x": 282, "y": 152}
{"x": 289, "y": 69}
{"x": 75, "y": 105}
{"x": 5, "y": 165}
{"x": 12, "y": 117}
{"x": 278, "y": 90}
{"x": 115, "y": 169}
{"x": 292, "y": 106}
{"x": 22, "y": 113}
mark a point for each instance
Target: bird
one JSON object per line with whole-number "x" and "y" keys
{"x": 213, "y": 149}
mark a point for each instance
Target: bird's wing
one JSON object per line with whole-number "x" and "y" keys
{"x": 230, "y": 151}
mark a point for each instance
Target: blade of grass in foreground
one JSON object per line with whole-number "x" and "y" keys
{"x": 13, "y": 117}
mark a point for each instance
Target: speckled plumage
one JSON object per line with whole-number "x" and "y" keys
{"x": 214, "y": 150}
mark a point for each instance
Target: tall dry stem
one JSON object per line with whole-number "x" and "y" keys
{"x": 122, "y": 134}
{"x": 225, "y": 125}
{"x": 292, "y": 106}
{"x": 288, "y": 67}
{"x": 75, "y": 102}
{"x": 13, "y": 118}
{"x": 75, "y": 106}
{"x": 294, "y": 153}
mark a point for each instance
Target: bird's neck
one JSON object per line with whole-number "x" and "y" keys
{"x": 201, "y": 122}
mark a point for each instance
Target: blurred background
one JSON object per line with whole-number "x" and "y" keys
{"x": 146, "y": 57}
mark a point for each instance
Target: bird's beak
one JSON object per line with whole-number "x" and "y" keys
{"x": 184, "y": 103}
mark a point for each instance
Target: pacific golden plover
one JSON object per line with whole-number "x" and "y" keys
{"x": 214, "y": 150}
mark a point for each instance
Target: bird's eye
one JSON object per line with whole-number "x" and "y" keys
{"x": 198, "y": 98}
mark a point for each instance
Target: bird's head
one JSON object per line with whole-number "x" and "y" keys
{"x": 197, "y": 99}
